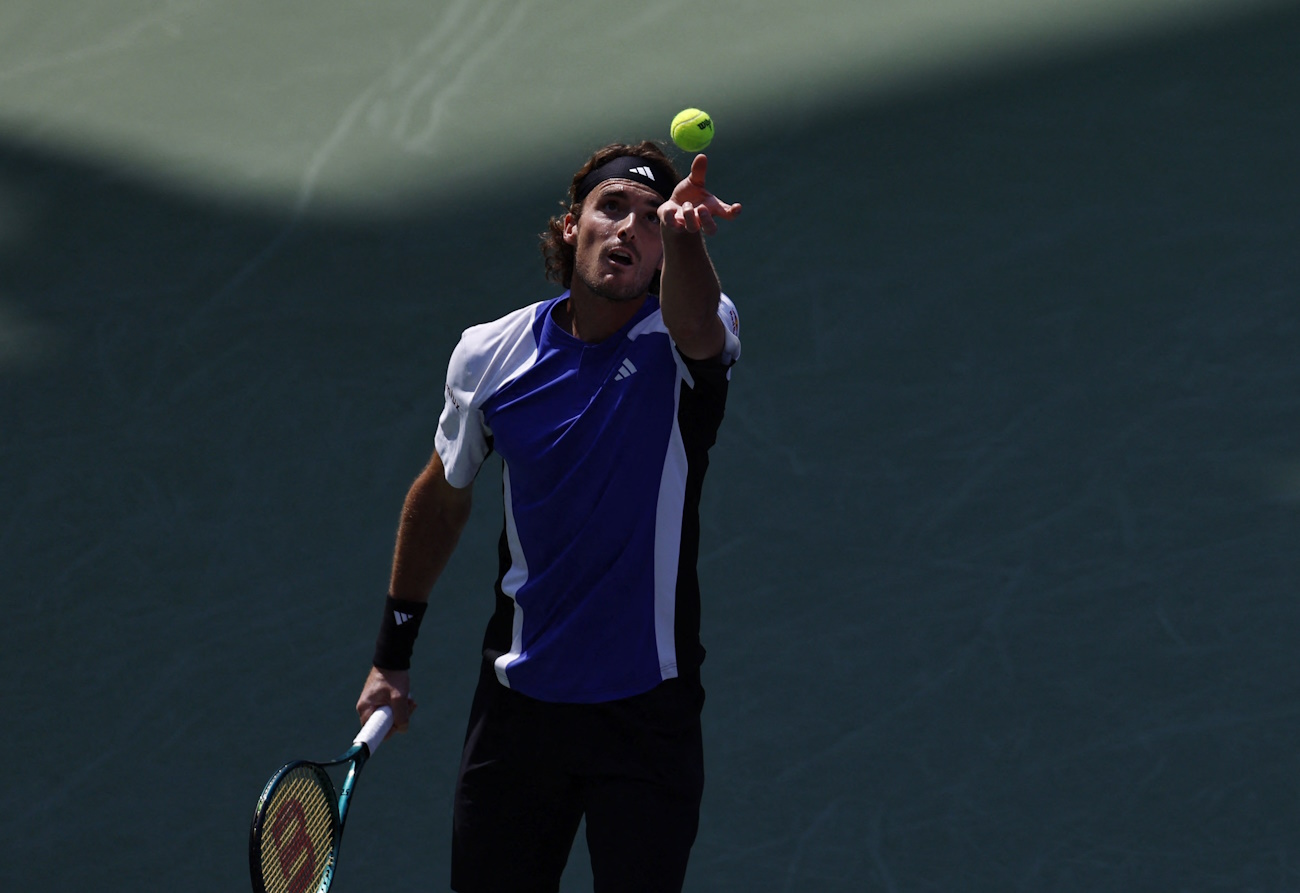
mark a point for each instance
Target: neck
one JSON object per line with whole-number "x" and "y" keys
{"x": 590, "y": 317}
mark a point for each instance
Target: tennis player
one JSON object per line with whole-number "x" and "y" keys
{"x": 603, "y": 404}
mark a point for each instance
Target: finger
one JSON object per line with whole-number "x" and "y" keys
{"x": 692, "y": 215}
{"x": 679, "y": 216}
{"x": 707, "y": 224}
{"x": 366, "y": 706}
{"x": 725, "y": 211}
{"x": 399, "y": 718}
{"x": 402, "y": 709}
{"x": 699, "y": 167}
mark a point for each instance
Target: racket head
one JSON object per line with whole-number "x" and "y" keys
{"x": 293, "y": 844}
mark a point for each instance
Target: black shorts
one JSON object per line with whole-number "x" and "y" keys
{"x": 531, "y": 770}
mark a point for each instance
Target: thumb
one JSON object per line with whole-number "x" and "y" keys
{"x": 699, "y": 168}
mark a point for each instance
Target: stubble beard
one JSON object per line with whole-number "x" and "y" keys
{"x": 617, "y": 294}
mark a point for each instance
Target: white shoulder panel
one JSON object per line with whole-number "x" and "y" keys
{"x": 487, "y": 357}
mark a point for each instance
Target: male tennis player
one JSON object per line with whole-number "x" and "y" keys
{"x": 603, "y": 404}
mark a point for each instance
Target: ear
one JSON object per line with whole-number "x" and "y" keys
{"x": 570, "y": 230}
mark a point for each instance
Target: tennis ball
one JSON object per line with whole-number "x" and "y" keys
{"x": 692, "y": 130}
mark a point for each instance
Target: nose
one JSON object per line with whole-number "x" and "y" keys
{"x": 627, "y": 227}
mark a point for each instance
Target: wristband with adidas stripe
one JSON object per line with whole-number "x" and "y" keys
{"x": 397, "y": 632}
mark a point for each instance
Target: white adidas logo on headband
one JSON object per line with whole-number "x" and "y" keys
{"x": 646, "y": 171}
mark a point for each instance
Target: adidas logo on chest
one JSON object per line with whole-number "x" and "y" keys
{"x": 626, "y": 370}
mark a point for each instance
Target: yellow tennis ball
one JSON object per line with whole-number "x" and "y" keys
{"x": 692, "y": 130}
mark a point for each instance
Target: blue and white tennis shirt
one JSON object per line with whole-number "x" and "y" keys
{"x": 604, "y": 449}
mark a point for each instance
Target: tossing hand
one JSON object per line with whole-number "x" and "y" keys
{"x": 692, "y": 208}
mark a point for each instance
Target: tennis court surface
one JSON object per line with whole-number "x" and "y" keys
{"x": 1000, "y": 535}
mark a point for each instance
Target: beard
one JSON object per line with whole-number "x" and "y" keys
{"x": 612, "y": 291}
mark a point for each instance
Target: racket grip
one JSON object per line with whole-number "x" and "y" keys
{"x": 376, "y": 727}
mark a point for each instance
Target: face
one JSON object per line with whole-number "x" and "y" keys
{"x": 616, "y": 240}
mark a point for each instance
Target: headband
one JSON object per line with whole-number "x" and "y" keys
{"x": 654, "y": 174}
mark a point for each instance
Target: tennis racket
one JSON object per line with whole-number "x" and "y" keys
{"x": 293, "y": 846}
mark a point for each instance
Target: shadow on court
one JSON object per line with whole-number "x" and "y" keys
{"x": 999, "y": 543}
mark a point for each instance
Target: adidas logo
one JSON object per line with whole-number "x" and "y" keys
{"x": 625, "y": 371}
{"x": 644, "y": 172}
{"x": 402, "y": 618}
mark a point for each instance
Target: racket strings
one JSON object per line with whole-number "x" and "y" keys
{"x": 298, "y": 836}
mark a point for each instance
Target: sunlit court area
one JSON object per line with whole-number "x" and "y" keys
{"x": 1000, "y": 546}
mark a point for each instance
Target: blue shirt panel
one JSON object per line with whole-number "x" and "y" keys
{"x": 584, "y": 439}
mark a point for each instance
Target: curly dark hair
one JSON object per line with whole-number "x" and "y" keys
{"x": 558, "y": 254}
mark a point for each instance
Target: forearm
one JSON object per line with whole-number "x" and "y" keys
{"x": 433, "y": 517}
{"x": 688, "y": 295}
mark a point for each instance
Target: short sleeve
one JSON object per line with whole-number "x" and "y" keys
{"x": 463, "y": 439}
{"x": 731, "y": 323}
{"x": 487, "y": 356}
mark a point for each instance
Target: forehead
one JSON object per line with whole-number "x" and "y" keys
{"x": 635, "y": 192}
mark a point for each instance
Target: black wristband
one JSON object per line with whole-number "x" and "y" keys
{"x": 397, "y": 632}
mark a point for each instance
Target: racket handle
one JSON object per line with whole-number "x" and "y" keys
{"x": 376, "y": 727}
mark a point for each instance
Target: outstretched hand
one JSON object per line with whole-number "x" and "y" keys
{"x": 692, "y": 208}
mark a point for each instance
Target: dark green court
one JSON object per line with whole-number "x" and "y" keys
{"x": 1001, "y": 547}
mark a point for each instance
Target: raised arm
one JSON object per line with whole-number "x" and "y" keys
{"x": 688, "y": 285}
{"x": 433, "y": 517}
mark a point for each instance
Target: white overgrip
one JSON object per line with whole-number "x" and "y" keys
{"x": 376, "y": 727}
